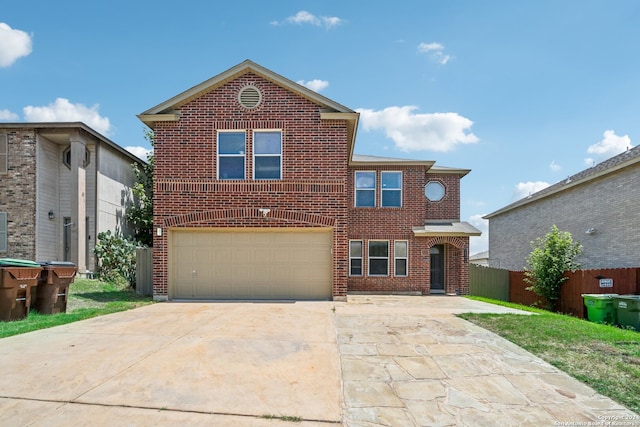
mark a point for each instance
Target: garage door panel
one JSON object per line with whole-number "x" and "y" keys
{"x": 251, "y": 264}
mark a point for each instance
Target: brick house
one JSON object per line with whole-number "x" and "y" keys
{"x": 60, "y": 185}
{"x": 599, "y": 206}
{"x": 258, "y": 195}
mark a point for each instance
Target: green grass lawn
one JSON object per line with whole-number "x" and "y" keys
{"x": 604, "y": 357}
{"x": 87, "y": 298}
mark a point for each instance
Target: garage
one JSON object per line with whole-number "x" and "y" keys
{"x": 251, "y": 263}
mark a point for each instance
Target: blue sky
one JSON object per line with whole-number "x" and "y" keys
{"x": 522, "y": 93}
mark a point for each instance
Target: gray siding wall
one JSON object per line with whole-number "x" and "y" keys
{"x": 18, "y": 194}
{"x": 49, "y": 241}
{"x": 610, "y": 204}
{"x": 115, "y": 179}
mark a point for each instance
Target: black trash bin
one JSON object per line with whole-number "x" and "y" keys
{"x": 53, "y": 287}
{"x": 17, "y": 278}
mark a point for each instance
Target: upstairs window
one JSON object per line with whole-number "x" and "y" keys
{"x": 391, "y": 189}
{"x": 4, "y": 151}
{"x": 231, "y": 155}
{"x": 365, "y": 189}
{"x": 267, "y": 154}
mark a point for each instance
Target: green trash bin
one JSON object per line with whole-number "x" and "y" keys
{"x": 17, "y": 278}
{"x": 600, "y": 307}
{"x": 628, "y": 310}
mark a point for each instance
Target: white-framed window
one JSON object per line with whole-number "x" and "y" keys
{"x": 365, "y": 189}
{"x": 391, "y": 189}
{"x": 355, "y": 258}
{"x": 231, "y": 154}
{"x": 378, "y": 258}
{"x": 3, "y": 232}
{"x": 4, "y": 155}
{"x": 401, "y": 258}
{"x": 267, "y": 154}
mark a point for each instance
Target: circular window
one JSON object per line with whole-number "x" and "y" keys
{"x": 249, "y": 97}
{"x": 434, "y": 191}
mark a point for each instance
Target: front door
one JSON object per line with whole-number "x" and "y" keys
{"x": 437, "y": 269}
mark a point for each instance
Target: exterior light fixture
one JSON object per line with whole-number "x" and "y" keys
{"x": 52, "y": 215}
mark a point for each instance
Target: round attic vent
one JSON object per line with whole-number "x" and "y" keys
{"x": 249, "y": 97}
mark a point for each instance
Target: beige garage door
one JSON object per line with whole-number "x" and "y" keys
{"x": 250, "y": 263}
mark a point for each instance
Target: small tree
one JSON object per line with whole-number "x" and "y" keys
{"x": 140, "y": 214}
{"x": 552, "y": 256}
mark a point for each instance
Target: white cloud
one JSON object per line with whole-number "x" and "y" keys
{"x": 417, "y": 132}
{"x": 140, "y": 152}
{"x": 524, "y": 189}
{"x": 435, "y": 51}
{"x": 14, "y": 44}
{"x": 304, "y": 17}
{"x": 479, "y": 244}
{"x": 315, "y": 85}
{"x": 589, "y": 162}
{"x": 555, "y": 167}
{"x": 64, "y": 111}
{"x": 8, "y": 115}
{"x": 610, "y": 145}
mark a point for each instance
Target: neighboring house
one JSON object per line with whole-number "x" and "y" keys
{"x": 481, "y": 258}
{"x": 599, "y": 206}
{"x": 60, "y": 184}
{"x": 258, "y": 195}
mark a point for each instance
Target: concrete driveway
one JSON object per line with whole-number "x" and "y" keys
{"x": 383, "y": 360}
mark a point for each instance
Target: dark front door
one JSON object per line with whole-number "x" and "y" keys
{"x": 437, "y": 269}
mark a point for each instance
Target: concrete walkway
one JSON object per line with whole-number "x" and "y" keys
{"x": 383, "y": 360}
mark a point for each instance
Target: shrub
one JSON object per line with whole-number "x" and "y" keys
{"x": 552, "y": 256}
{"x": 116, "y": 258}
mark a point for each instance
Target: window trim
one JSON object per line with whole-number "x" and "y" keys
{"x": 218, "y": 155}
{"x": 355, "y": 188}
{"x": 361, "y": 258}
{"x": 382, "y": 189}
{"x": 396, "y": 258}
{"x": 253, "y": 135}
{"x": 4, "y": 232}
{"x": 369, "y": 258}
{"x": 4, "y": 155}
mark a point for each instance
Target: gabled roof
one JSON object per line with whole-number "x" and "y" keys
{"x": 166, "y": 111}
{"x": 58, "y": 127}
{"x": 628, "y": 158}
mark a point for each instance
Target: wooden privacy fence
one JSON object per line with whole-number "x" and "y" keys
{"x": 489, "y": 282}
{"x": 624, "y": 281}
{"x": 144, "y": 271}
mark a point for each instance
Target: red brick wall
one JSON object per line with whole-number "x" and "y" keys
{"x": 312, "y": 192}
{"x": 397, "y": 223}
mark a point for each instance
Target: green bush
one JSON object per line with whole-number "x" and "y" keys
{"x": 116, "y": 258}
{"x": 552, "y": 256}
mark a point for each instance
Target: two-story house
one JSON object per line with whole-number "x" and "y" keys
{"x": 258, "y": 195}
{"x": 60, "y": 185}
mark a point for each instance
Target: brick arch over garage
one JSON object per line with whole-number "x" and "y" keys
{"x": 250, "y": 214}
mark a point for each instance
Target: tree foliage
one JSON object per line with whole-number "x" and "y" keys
{"x": 140, "y": 214}
{"x": 116, "y": 258}
{"x": 551, "y": 257}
